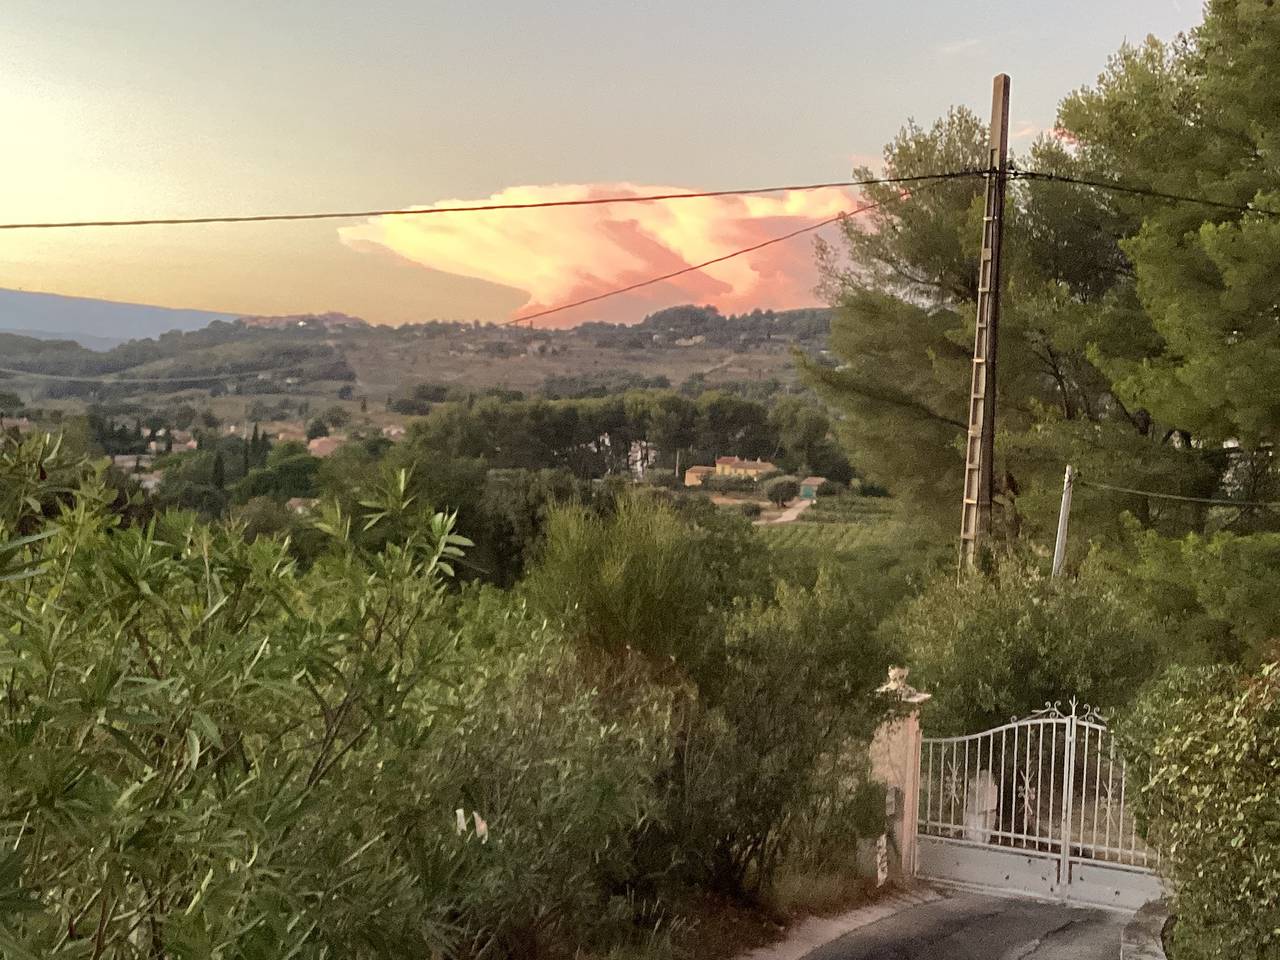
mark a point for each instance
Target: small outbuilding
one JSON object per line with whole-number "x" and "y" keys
{"x": 809, "y": 487}
{"x": 694, "y": 476}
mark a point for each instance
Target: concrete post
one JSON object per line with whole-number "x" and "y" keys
{"x": 895, "y": 762}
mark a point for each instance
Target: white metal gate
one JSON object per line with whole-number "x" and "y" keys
{"x": 1036, "y": 807}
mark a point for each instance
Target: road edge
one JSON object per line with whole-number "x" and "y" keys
{"x": 815, "y": 932}
{"x": 1141, "y": 939}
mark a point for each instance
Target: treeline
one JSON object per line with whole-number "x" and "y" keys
{"x": 501, "y": 464}
{"x": 605, "y": 383}
{"x": 666, "y": 328}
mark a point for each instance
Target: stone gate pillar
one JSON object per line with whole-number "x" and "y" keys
{"x": 895, "y": 762}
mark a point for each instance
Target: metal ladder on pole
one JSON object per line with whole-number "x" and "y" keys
{"x": 975, "y": 525}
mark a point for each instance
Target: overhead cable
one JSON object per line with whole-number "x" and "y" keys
{"x": 486, "y": 207}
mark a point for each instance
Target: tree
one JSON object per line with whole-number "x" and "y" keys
{"x": 317, "y": 428}
{"x": 904, "y": 291}
{"x": 1194, "y": 117}
{"x": 283, "y": 477}
{"x": 989, "y": 648}
{"x": 801, "y": 426}
{"x": 336, "y": 417}
{"x": 730, "y": 425}
{"x": 782, "y": 491}
{"x": 644, "y": 580}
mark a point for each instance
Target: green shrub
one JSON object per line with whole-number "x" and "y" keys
{"x": 714, "y": 484}
{"x": 751, "y": 510}
{"x": 767, "y": 756}
{"x": 646, "y": 578}
{"x": 1222, "y": 591}
{"x": 1204, "y": 751}
{"x": 989, "y": 648}
{"x": 662, "y": 477}
{"x": 210, "y": 753}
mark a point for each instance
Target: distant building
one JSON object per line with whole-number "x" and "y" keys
{"x": 150, "y": 481}
{"x": 132, "y": 461}
{"x": 323, "y": 446}
{"x": 393, "y": 431}
{"x": 809, "y": 487}
{"x": 301, "y": 504}
{"x": 736, "y": 467}
{"x": 21, "y": 424}
{"x": 176, "y": 440}
{"x": 694, "y": 476}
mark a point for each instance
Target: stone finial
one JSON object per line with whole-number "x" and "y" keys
{"x": 898, "y": 686}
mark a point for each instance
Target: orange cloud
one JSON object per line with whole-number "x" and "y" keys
{"x": 564, "y": 254}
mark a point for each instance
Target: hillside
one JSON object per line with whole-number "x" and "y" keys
{"x": 328, "y": 355}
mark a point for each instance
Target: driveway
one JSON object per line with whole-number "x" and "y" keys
{"x": 791, "y": 513}
{"x": 974, "y": 927}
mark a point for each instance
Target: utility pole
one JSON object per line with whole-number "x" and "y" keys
{"x": 979, "y": 466}
{"x": 1064, "y": 517}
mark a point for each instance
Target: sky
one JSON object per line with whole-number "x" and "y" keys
{"x": 163, "y": 108}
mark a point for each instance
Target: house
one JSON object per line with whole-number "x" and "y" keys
{"x": 393, "y": 431}
{"x": 137, "y": 462}
{"x": 21, "y": 424}
{"x": 180, "y": 439}
{"x": 694, "y": 476}
{"x": 809, "y": 487}
{"x": 323, "y": 446}
{"x": 736, "y": 467}
{"x": 301, "y": 504}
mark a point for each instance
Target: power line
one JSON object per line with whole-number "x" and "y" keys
{"x": 1273, "y": 504}
{"x": 690, "y": 269}
{"x": 1141, "y": 191}
{"x": 479, "y": 208}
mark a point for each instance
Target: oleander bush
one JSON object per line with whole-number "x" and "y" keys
{"x": 209, "y": 753}
{"x": 208, "y": 749}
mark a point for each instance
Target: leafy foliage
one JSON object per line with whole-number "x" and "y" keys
{"x": 992, "y": 648}
{"x": 769, "y": 752}
{"x": 208, "y": 752}
{"x": 1204, "y": 748}
{"x": 782, "y": 491}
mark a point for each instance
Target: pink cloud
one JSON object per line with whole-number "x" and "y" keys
{"x": 560, "y": 255}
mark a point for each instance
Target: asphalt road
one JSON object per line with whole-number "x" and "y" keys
{"x": 976, "y": 927}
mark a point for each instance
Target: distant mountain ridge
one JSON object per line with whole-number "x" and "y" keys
{"x": 96, "y": 324}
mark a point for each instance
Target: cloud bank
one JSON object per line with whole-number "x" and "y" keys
{"x": 560, "y": 255}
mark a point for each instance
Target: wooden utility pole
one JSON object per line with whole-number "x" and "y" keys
{"x": 979, "y": 466}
